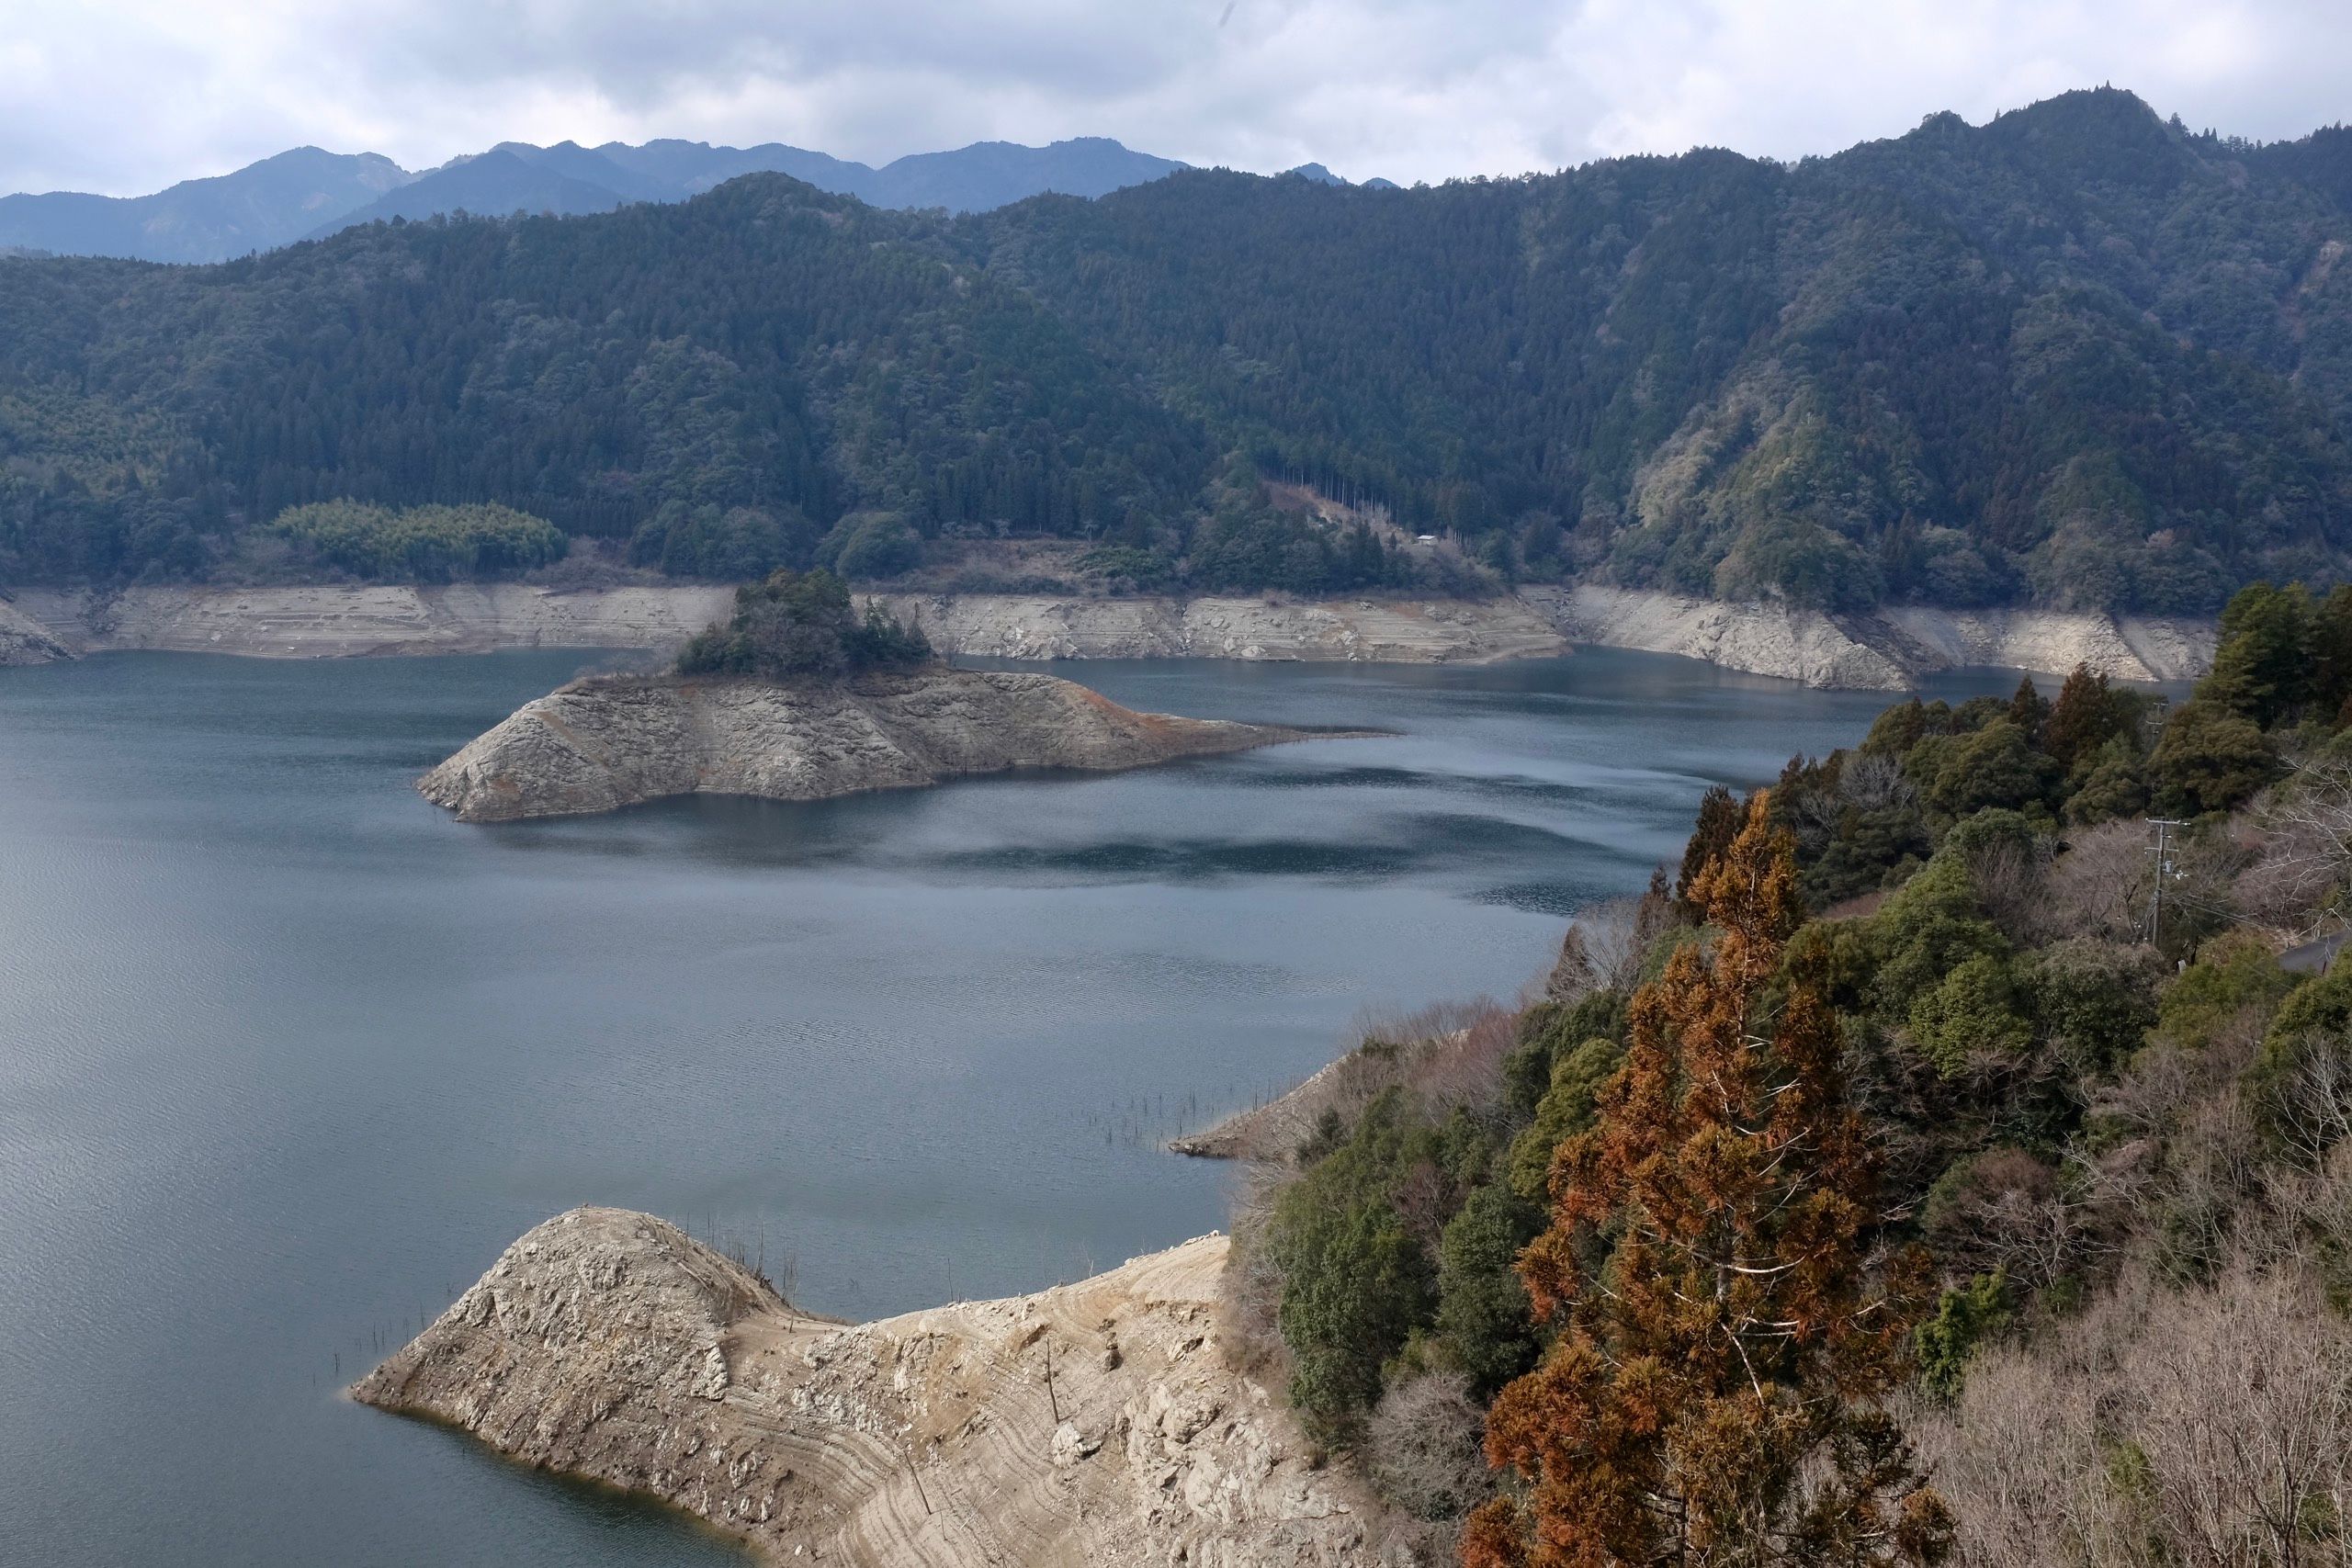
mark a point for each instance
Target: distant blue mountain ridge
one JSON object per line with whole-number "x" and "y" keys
{"x": 307, "y": 194}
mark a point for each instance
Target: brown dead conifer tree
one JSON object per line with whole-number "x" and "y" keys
{"x": 1726, "y": 1333}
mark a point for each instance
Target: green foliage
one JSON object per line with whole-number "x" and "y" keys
{"x": 1781, "y": 557}
{"x": 2115, "y": 783}
{"x": 1129, "y": 568}
{"x": 1871, "y": 848}
{"x": 2231, "y": 974}
{"x": 1929, "y": 928}
{"x": 2088, "y": 716}
{"x": 1548, "y": 1033}
{"x": 1997, "y": 766}
{"x": 1355, "y": 1282}
{"x": 2096, "y": 998}
{"x": 2304, "y": 1045}
{"x": 877, "y": 545}
{"x": 1964, "y": 1319}
{"x": 1719, "y": 819}
{"x": 1899, "y": 373}
{"x": 801, "y": 624}
{"x": 2331, "y": 657}
{"x": 1566, "y": 1110}
{"x": 2262, "y": 667}
{"x": 724, "y": 545}
{"x": 421, "y": 543}
{"x": 2210, "y": 759}
{"x": 1248, "y": 545}
{"x": 1483, "y": 1320}
{"x": 1972, "y": 1012}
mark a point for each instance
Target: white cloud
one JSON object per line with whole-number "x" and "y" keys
{"x": 125, "y": 95}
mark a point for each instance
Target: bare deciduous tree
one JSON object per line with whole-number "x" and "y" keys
{"x": 2301, "y": 834}
{"x": 2011, "y": 878}
{"x": 1870, "y": 782}
{"x": 2099, "y": 887}
{"x": 2308, "y": 1100}
{"x": 2241, "y": 1399}
{"x": 1423, "y": 1449}
{"x": 2210, "y": 1428}
{"x": 1605, "y": 945}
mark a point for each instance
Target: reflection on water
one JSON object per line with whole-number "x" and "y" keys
{"x": 289, "y": 1055}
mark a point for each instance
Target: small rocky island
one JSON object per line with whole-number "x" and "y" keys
{"x": 798, "y": 698}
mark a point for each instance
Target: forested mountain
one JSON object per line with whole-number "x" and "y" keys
{"x": 307, "y": 194}
{"x": 2076, "y": 356}
{"x": 261, "y": 206}
{"x": 567, "y": 179}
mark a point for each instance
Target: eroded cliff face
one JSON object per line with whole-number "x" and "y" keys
{"x": 24, "y": 640}
{"x": 611, "y": 741}
{"x": 1383, "y": 631}
{"x": 314, "y": 621}
{"x": 327, "y": 621}
{"x": 1887, "y": 650}
{"x": 1093, "y": 1424}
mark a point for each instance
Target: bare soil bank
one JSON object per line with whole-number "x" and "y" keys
{"x": 1887, "y": 650}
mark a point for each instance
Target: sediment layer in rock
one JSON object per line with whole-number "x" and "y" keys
{"x": 1416, "y": 631}
{"x": 1884, "y": 650}
{"x": 24, "y": 640}
{"x": 311, "y": 621}
{"x": 611, "y": 741}
{"x": 1093, "y": 1424}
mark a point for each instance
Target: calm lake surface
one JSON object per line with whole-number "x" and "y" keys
{"x": 287, "y": 1056}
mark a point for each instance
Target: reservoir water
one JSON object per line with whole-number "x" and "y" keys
{"x": 287, "y": 1056}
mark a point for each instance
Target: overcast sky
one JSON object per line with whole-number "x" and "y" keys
{"x": 128, "y": 96}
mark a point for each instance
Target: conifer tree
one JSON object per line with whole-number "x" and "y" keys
{"x": 2084, "y": 716}
{"x": 1718, "y": 823}
{"x": 1727, "y": 1334}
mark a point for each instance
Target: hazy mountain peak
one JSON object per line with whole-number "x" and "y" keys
{"x": 306, "y": 193}
{"x": 259, "y": 207}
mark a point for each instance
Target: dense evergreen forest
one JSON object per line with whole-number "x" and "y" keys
{"x": 1904, "y": 1181}
{"x": 2078, "y": 356}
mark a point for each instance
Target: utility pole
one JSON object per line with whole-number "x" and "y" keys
{"x": 2161, "y": 849}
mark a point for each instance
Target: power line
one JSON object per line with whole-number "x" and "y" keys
{"x": 2166, "y": 871}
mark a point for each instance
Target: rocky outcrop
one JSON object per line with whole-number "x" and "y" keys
{"x": 328, "y": 621}
{"x": 611, "y": 741}
{"x": 24, "y": 640}
{"x": 1887, "y": 650}
{"x": 1796, "y": 645}
{"x": 1089, "y": 1424}
{"x": 2126, "y": 647}
{"x": 342, "y": 622}
{"x": 1270, "y": 1130}
{"x": 1438, "y": 631}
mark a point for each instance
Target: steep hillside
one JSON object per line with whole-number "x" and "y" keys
{"x": 2077, "y": 358}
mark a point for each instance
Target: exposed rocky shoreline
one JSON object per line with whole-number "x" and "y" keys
{"x": 1094, "y": 1423}
{"x": 1887, "y": 650}
{"x": 24, "y": 640}
{"x": 615, "y": 740}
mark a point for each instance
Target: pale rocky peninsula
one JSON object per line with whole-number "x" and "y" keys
{"x": 1095, "y": 1424}
{"x": 611, "y": 741}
